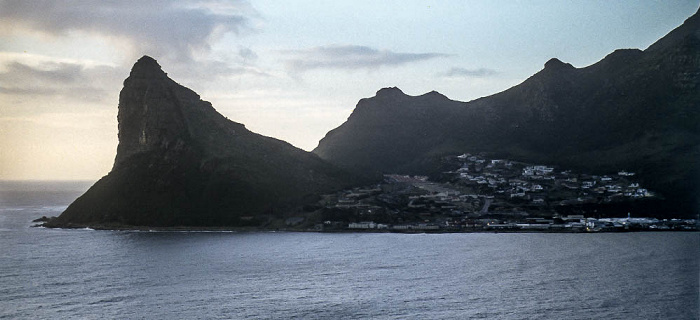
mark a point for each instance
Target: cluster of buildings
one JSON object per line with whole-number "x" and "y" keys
{"x": 482, "y": 194}
{"x": 540, "y": 184}
{"x": 368, "y": 225}
{"x": 570, "y": 223}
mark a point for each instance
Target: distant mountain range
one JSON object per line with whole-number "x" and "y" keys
{"x": 634, "y": 110}
{"x": 180, "y": 163}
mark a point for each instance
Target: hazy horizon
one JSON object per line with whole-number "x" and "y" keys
{"x": 292, "y": 71}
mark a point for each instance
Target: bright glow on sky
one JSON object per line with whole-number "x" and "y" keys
{"x": 292, "y": 70}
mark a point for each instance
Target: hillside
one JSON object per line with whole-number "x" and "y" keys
{"x": 633, "y": 110}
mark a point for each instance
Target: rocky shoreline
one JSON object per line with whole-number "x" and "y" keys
{"x": 46, "y": 222}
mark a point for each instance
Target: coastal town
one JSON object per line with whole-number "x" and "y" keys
{"x": 481, "y": 194}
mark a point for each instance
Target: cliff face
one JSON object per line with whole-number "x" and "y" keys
{"x": 180, "y": 163}
{"x": 634, "y": 110}
{"x": 151, "y": 114}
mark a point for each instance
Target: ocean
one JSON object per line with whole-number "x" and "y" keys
{"x": 88, "y": 274}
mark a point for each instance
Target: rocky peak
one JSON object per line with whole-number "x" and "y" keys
{"x": 435, "y": 95}
{"x": 181, "y": 163}
{"x": 150, "y": 111}
{"x": 556, "y": 64}
{"x": 390, "y": 92}
{"x": 147, "y": 68}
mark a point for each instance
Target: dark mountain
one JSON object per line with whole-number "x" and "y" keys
{"x": 634, "y": 110}
{"x": 180, "y": 163}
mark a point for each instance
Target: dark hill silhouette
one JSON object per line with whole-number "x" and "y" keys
{"x": 180, "y": 163}
{"x": 634, "y": 110}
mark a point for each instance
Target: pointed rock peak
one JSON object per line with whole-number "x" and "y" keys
{"x": 435, "y": 94}
{"x": 551, "y": 63}
{"x": 390, "y": 92}
{"x": 556, "y": 64}
{"x": 147, "y": 67}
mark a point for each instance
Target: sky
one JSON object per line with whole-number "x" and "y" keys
{"x": 292, "y": 70}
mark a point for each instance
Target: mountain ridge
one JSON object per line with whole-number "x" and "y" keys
{"x": 634, "y": 110}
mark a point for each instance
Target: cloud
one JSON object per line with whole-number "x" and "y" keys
{"x": 247, "y": 54}
{"x": 176, "y": 30}
{"x": 457, "y": 72}
{"x": 27, "y": 91}
{"x": 212, "y": 70}
{"x": 351, "y": 57}
{"x": 64, "y": 72}
{"x": 57, "y": 79}
{"x": 63, "y": 120}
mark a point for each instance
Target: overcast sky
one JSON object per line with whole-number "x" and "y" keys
{"x": 292, "y": 70}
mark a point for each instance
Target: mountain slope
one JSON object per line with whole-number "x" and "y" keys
{"x": 634, "y": 110}
{"x": 180, "y": 163}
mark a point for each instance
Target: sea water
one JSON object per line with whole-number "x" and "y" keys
{"x": 88, "y": 274}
